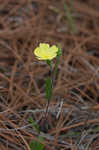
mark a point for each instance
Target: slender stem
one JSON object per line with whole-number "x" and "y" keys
{"x": 53, "y": 76}
{"x": 48, "y": 102}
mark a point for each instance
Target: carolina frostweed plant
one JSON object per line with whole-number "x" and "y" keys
{"x": 46, "y": 53}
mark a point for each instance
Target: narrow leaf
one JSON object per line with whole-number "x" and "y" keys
{"x": 34, "y": 125}
{"x": 36, "y": 145}
{"x": 70, "y": 17}
{"x": 59, "y": 53}
{"x": 40, "y": 146}
{"x": 33, "y": 145}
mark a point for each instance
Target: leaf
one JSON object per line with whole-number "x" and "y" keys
{"x": 59, "y": 53}
{"x": 40, "y": 146}
{"x": 49, "y": 92}
{"x": 96, "y": 129}
{"x": 34, "y": 125}
{"x": 70, "y": 17}
{"x": 33, "y": 145}
{"x": 36, "y": 145}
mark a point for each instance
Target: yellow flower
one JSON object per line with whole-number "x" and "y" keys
{"x": 45, "y": 52}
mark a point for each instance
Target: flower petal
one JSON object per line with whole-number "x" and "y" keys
{"x": 44, "y": 46}
{"x": 53, "y": 48}
{"x": 37, "y": 51}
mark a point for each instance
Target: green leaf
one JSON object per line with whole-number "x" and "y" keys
{"x": 96, "y": 129}
{"x": 70, "y": 17}
{"x": 34, "y": 125}
{"x": 49, "y": 92}
{"x": 40, "y": 146}
{"x": 35, "y": 145}
{"x": 59, "y": 53}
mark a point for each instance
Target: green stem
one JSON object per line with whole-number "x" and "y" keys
{"x": 48, "y": 101}
{"x": 53, "y": 76}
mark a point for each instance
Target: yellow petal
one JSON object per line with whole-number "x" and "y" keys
{"x": 37, "y": 51}
{"x": 44, "y": 46}
{"x": 53, "y": 48}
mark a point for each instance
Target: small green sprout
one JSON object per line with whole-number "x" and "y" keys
{"x": 36, "y": 145}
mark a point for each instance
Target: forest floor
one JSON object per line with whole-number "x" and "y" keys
{"x": 73, "y": 117}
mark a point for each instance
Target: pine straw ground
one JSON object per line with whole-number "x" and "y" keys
{"x": 74, "y": 110}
